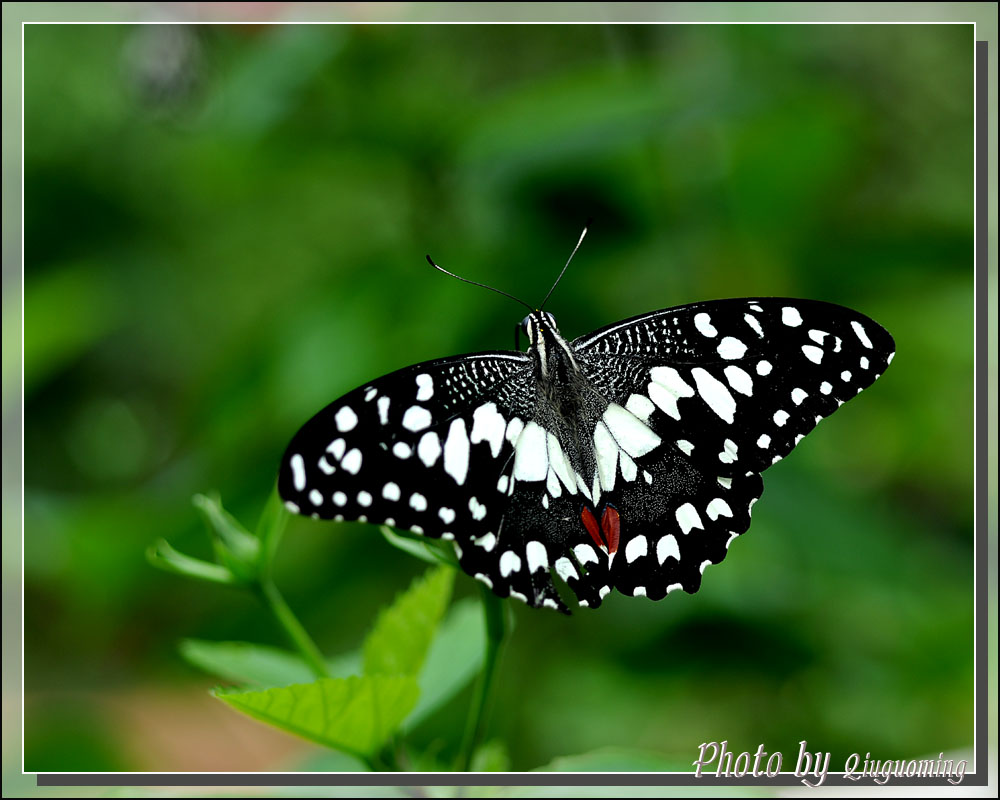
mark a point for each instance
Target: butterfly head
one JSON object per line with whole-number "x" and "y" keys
{"x": 546, "y": 345}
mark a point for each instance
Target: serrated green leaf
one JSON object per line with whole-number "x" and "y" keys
{"x": 616, "y": 759}
{"x": 454, "y": 659}
{"x": 161, "y": 555}
{"x": 356, "y": 715}
{"x": 398, "y": 643}
{"x": 430, "y": 550}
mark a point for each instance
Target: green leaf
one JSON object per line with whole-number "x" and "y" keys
{"x": 161, "y": 555}
{"x": 248, "y": 663}
{"x": 491, "y": 757}
{"x": 454, "y": 658}
{"x": 430, "y": 550}
{"x": 616, "y": 759}
{"x": 356, "y": 715}
{"x": 234, "y": 547}
{"x": 398, "y": 643}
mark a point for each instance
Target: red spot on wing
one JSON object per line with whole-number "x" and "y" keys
{"x": 590, "y": 523}
{"x": 611, "y": 527}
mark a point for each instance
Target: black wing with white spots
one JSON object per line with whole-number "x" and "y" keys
{"x": 628, "y": 459}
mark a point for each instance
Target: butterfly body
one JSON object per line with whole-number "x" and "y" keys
{"x": 626, "y": 459}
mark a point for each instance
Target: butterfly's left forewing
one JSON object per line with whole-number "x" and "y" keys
{"x": 423, "y": 448}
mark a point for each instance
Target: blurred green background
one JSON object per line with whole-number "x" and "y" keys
{"x": 225, "y": 229}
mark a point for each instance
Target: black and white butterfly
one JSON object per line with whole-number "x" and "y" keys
{"x": 626, "y": 459}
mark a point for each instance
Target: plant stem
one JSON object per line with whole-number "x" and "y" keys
{"x": 293, "y": 628}
{"x": 496, "y": 631}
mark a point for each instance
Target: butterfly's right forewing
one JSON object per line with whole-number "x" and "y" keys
{"x": 736, "y": 384}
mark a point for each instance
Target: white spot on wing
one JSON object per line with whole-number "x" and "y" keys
{"x": 585, "y": 553}
{"x": 425, "y": 387}
{"x": 813, "y": 353}
{"x": 640, "y": 405}
{"x": 798, "y": 396}
{"x": 337, "y": 448}
{"x": 416, "y": 418}
{"x": 686, "y": 447}
{"x": 636, "y": 548}
{"x": 729, "y": 452}
{"x": 346, "y": 419}
{"x": 509, "y": 562}
{"x": 456, "y": 451}
{"x": 447, "y": 515}
{"x": 718, "y": 508}
{"x": 763, "y": 368}
{"x": 688, "y": 519}
{"x": 667, "y": 548}
{"x": 606, "y": 453}
{"x": 703, "y": 322}
{"x": 383, "y": 409}
{"x": 731, "y": 348}
{"x": 292, "y": 507}
{"x": 639, "y": 591}
{"x": 487, "y": 541}
{"x": 632, "y": 435}
{"x": 628, "y": 467}
{"x": 315, "y": 497}
{"x": 764, "y": 441}
{"x": 780, "y": 417}
{"x": 862, "y": 336}
{"x": 477, "y": 509}
{"x": 825, "y": 387}
{"x": 538, "y": 558}
{"x": 418, "y": 502}
{"x": 429, "y": 448}
{"x": 364, "y": 498}
{"x": 391, "y": 491}
{"x": 714, "y": 393}
{"x": 751, "y": 320}
{"x": 739, "y": 380}
{"x": 402, "y": 450}
{"x": 352, "y": 461}
{"x": 530, "y": 460}
{"x": 298, "y": 472}
{"x": 565, "y": 569}
{"x": 666, "y": 387}
{"x": 791, "y": 317}
{"x": 488, "y": 425}
{"x": 560, "y": 464}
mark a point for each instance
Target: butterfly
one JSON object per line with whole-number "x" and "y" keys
{"x": 626, "y": 459}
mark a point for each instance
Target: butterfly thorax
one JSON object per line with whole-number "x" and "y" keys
{"x": 567, "y": 403}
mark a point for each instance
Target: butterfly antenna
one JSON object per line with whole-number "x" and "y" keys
{"x": 476, "y": 283}
{"x": 554, "y": 285}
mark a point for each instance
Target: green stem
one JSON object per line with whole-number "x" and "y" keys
{"x": 496, "y": 631}
{"x": 293, "y": 628}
